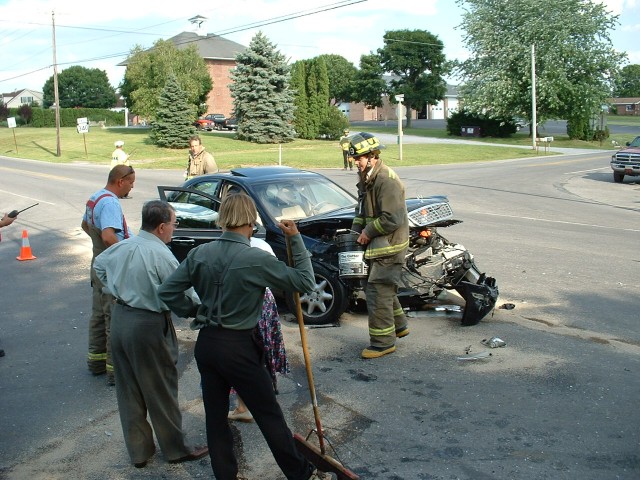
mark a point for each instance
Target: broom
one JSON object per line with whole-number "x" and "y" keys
{"x": 315, "y": 455}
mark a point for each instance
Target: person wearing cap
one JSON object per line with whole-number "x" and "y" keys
{"x": 382, "y": 222}
{"x": 118, "y": 157}
{"x": 344, "y": 145}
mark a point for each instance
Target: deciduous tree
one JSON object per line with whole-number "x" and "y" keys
{"x": 627, "y": 83}
{"x": 416, "y": 60}
{"x": 341, "y": 72}
{"x": 574, "y": 60}
{"x": 148, "y": 71}
{"x": 368, "y": 86}
{"x": 80, "y": 87}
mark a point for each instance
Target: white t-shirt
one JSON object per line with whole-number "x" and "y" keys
{"x": 261, "y": 244}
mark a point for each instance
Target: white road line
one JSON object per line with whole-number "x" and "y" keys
{"x": 24, "y": 196}
{"x": 587, "y": 171}
{"x": 560, "y": 221}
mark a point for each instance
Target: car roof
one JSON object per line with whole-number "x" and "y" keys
{"x": 255, "y": 175}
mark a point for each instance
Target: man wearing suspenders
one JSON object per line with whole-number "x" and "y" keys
{"x": 104, "y": 222}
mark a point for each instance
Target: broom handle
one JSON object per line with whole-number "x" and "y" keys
{"x": 307, "y": 358}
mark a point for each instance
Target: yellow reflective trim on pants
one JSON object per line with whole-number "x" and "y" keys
{"x": 109, "y": 368}
{"x": 397, "y": 312}
{"x": 97, "y": 357}
{"x": 378, "y": 332}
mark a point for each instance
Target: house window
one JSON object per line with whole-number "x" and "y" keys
{"x": 26, "y": 100}
{"x": 629, "y": 108}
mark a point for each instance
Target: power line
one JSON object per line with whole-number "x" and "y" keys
{"x": 242, "y": 28}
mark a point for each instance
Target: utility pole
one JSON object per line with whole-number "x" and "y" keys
{"x": 534, "y": 120}
{"x": 56, "y": 98}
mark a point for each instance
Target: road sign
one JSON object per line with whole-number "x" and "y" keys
{"x": 83, "y": 120}
{"x": 11, "y": 122}
{"x": 83, "y": 128}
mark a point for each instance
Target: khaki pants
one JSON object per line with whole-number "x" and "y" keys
{"x": 385, "y": 312}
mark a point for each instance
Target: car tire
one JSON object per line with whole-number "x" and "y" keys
{"x": 618, "y": 177}
{"x": 326, "y": 302}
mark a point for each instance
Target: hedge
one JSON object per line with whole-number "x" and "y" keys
{"x": 69, "y": 117}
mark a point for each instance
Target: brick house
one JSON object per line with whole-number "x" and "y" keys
{"x": 219, "y": 55}
{"x": 626, "y": 106}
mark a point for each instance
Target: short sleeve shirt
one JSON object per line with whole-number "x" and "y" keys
{"x": 107, "y": 213}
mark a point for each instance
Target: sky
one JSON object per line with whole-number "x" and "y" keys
{"x": 101, "y": 34}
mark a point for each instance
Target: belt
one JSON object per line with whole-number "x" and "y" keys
{"x": 166, "y": 314}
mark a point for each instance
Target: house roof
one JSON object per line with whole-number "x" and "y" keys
{"x": 7, "y": 97}
{"x": 624, "y": 100}
{"x": 210, "y": 47}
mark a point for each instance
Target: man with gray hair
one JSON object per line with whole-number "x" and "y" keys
{"x": 144, "y": 345}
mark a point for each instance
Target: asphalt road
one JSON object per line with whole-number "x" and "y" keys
{"x": 558, "y": 402}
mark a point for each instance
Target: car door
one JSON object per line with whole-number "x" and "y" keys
{"x": 196, "y": 214}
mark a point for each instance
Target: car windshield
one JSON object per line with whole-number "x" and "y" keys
{"x": 635, "y": 142}
{"x": 302, "y": 198}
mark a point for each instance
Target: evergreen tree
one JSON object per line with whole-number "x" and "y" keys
{"x": 318, "y": 94}
{"x": 301, "y": 103}
{"x": 262, "y": 96}
{"x": 174, "y": 118}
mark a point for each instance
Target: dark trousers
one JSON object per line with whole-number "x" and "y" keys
{"x": 229, "y": 358}
{"x": 145, "y": 352}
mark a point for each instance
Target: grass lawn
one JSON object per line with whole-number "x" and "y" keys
{"x": 96, "y": 147}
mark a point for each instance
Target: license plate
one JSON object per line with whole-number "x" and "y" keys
{"x": 628, "y": 171}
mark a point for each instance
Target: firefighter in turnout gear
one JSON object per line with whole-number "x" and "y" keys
{"x": 344, "y": 145}
{"x": 382, "y": 222}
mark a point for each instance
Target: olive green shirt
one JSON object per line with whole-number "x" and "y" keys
{"x": 241, "y": 290}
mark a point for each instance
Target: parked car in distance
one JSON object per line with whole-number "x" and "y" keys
{"x": 626, "y": 161}
{"x": 229, "y": 124}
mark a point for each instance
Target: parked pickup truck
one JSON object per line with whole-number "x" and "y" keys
{"x": 626, "y": 161}
{"x": 227, "y": 124}
{"x": 209, "y": 122}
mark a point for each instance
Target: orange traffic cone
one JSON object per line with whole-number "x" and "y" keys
{"x": 25, "y": 251}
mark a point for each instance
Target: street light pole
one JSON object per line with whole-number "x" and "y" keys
{"x": 400, "y": 99}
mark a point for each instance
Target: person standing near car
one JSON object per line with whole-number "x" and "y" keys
{"x": 230, "y": 278}
{"x": 382, "y": 222}
{"x": 144, "y": 345}
{"x": 201, "y": 162}
{"x": 104, "y": 222}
